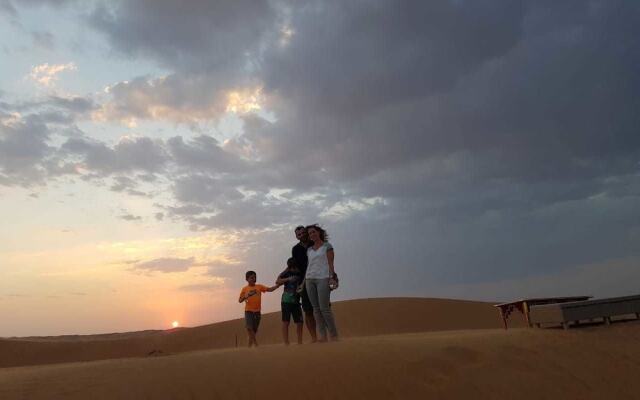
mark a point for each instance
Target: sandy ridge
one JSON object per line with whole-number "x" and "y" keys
{"x": 592, "y": 363}
{"x": 356, "y": 318}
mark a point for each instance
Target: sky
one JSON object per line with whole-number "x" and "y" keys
{"x": 152, "y": 151}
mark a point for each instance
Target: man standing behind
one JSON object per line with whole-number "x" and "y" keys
{"x": 299, "y": 253}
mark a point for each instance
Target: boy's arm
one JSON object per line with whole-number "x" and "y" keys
{"x": 280, "y": 280}
{"x": 242, "y": 297}
{"x": 272, "y": 288}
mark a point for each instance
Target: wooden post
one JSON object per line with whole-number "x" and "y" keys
{"x": 638, "y": 315}
{"x": 607, "y": 320}
{"x": 504, "y": 319}
{"x": 565, "y": 325}
{"x": 525, "y": 308}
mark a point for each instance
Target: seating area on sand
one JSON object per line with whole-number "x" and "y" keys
{"x": 574, "y": 313}
{"x": 567, "y": 311}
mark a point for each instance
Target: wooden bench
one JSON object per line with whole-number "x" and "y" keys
{"x": 523, "y": 305}
{"x": 573, "y": 312}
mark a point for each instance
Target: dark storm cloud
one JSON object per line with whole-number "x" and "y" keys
{"x": 23, "y": 150}
{"x": 248, "y": 213}
{"x": 207, "y": 203}
{"x": 29, "y": 131}
{"x": 176, "y": 97}
{"x": 524, "y": 123}
{"x": 54, "y": 109}
{"x": 351, "y": 58}
{"x": 128, "y": 155}
{"x": 204, "y": 153}
{"x": 203, "y": 35}
{"x": 237, "y": 202}
{"x": 543, "y": 96}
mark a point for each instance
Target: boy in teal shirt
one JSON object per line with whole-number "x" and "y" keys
{"x": 291, "y": 278}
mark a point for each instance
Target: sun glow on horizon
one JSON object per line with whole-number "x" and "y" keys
{"x": 175, "y": 324}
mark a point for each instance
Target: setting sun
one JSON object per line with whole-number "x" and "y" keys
{"x": 175, "y": 324}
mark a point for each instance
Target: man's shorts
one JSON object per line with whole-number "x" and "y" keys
{"x": 252, "y": 320}
{"x": 291, "y": 310}
{"x": 306, "y": 303}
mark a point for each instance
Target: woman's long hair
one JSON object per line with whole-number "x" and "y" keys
{"x": 324, "y": 236}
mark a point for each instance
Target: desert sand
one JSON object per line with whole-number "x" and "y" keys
{"x": 391, "y": 348}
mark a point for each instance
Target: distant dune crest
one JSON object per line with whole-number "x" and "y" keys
{"x": 364, "y": 317}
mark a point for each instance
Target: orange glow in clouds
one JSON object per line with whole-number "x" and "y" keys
{"x": 244, "y": 101}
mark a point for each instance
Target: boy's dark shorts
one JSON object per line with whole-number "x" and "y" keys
{"x": 252, "y": 320}
{"x": 306, "y": 303}
{"x": 291, "y": 310}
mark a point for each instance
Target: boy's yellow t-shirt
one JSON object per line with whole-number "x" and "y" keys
{"x": 253, "y": 303}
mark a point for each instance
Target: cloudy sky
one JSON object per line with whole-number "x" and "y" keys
{"x": 153, "y": 150}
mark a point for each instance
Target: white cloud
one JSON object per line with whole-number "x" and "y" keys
{"x": 179, "y": 98}
{"x": 46, "y": 75}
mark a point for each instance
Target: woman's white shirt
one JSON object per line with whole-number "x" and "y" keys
{"x": 318, "y": 267}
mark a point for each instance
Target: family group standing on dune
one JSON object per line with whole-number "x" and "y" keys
{"x": 308, "y": 281}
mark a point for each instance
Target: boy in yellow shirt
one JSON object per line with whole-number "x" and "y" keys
{"x": 252, "y": 296}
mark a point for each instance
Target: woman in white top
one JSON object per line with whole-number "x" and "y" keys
{"x": 320, "y": 279}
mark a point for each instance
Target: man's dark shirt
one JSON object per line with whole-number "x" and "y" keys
{"x": 299, "y": 253}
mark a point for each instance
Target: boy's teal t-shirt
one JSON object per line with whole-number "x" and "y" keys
{"x": 290, "y": 295}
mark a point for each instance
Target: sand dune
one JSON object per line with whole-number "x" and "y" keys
{"x": 355, "y": 318}
{"x": 592, "y": 363}
{"x": 391, "y": 349}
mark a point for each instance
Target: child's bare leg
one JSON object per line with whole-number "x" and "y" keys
{"x": 285, "y": 332}
{"x": 299, "y": 332}
{"x": 310, "y": 321}
{"x": 252, "y": 337}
